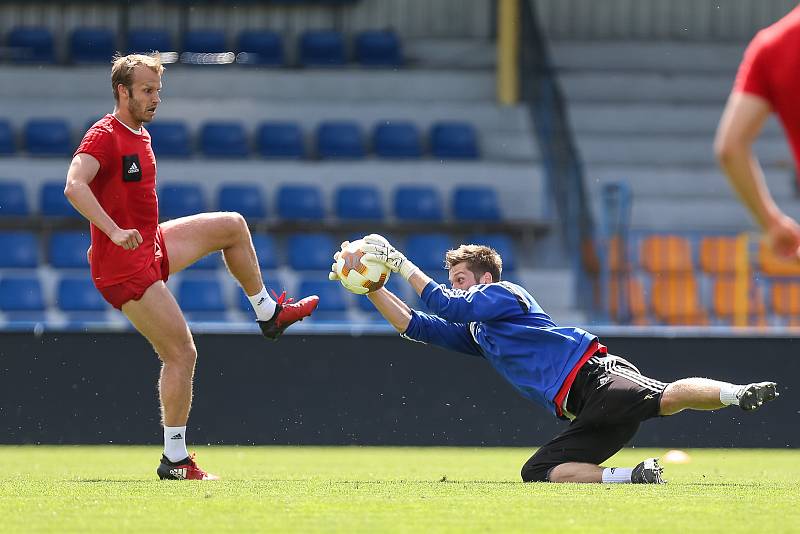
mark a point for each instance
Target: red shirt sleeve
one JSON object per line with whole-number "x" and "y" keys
{"x": 96, "y": 143}
{"x": 753, "y": 74}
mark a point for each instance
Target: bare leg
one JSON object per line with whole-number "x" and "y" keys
{"x": 576, "y": 472}
{"x": 157, "y": 316}
{"x": 190, "y": 238}
{"x": 692, "y": 393}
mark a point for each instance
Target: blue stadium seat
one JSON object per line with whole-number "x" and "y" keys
{"x": 207, "y": 263}
{"x": 378, "y": 48}
{"x": 53, "y": 203}
{"x": 397, "y": 139}
{"x": 311, "y": 252}
{"x": 322, "y": 48}
{"x": 359, "y": 202}
{"x": 146, "y": 40}
{"x": 454, "y": 140}
{"x": 223, "y": 139}
{"x": 300, "y": 202}
{"x": 13, "y": 201}
{"x": 20, "y": 250}
{"x": 48, "y": 137}
{"x": 21, "y": 294}
{"x": 204, "y": 41}
{"x": 280, "y": 140}
{"x": 92, "y": 45}
{"x": 244, "y": 199}
{"x": 272, "y": 284}
{"x": 260, "y": 47}
{"x": 202, "y": 299}
{"x": 180, "y": 200}
{"x": 340, "y": 140}
{"x": 475, "y": 203}
{"x": 266, "y": 250}
{"x": 332, "y": 298}
{"x": 170, "y": 138}
{"x": 67, "y": 250}
{"x": 501, "y": 243}
{"x": 427, "y": 250}
{"x": 29, "y": 44}
{"x": 418, "y": 203}
{"x": 78, "y": 294}
{"x": 7, "y": 144}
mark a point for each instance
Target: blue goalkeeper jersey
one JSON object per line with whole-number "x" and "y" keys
{"x": 502, "y": 323}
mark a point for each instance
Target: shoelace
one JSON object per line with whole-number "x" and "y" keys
{"x": 194, "y": 465}
{"x": 281, "y": 300}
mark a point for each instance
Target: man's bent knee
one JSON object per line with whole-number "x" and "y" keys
{"x": 182, "y": 356}
{"x": 535, "y": 472}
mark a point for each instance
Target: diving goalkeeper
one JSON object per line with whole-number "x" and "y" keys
{"x": 564, "y": 369}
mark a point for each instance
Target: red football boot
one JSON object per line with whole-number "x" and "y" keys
{"x": 286, "y": 314}
{"x": 184, "y": 470}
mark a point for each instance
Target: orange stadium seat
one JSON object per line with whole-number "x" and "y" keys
{"x": 718, "y": 254}
{"x": 773, "y": 265}
{"x": 723, "y": 300}
{"x": 666, "y": 254}
{"x": 637, "y": 303}
{"x": 675, "y": 299}
{"x": 786, "y": 298}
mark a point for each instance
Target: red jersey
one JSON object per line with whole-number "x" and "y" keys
{"x": 771, "y": 69}
{"x": 125, "y": 186}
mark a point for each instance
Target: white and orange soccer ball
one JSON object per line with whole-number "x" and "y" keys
{"x": 358, "y": 276}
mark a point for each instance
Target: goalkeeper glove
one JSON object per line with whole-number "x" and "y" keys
{"x": 379, "y": 249}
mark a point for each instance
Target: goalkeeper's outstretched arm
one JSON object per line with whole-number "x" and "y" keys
{"x": 395, "y": 311}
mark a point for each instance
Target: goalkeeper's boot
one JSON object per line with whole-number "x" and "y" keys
{"x": 752, "y": 396}
{"x": 648, "y": 472}
{"x": 185, "y": 469}
{"x": 286, "y": 314}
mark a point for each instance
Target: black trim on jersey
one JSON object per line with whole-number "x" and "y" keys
{"x": 520, "y": 299}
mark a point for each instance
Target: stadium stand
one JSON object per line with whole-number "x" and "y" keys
{"x": 300, "y": 202}
{"x": 206, "y": 41}
{"x": 322, "y": 48}
{"x": 48, "y": 137}
{"x": 311, "y": 252}
{"x": 378, "y": 49}
{"x": 224, "y": 139}
{"x": 92, "y": 45}
{"x": 280, "y": 140}
{"x": 180, "y": 200}
{"x": 13, "y": 199}
{"x": 7, "y": 144}
{"x": 454, "y": 140}
{"x": 53, "y": 203}
{"x": 146, "y": 40}
{"x": 170, "y": 138}
{"x": 262, "y": 48}
{"x": 397, "y": 139}
{"x": 67, "y": 250}
{"x": 359, "y": 203}
{"x": 476, "y": 204}
{"x": 21, "y": 298}
{"x": 21, "y": 250}
{"x": 340, "y": 140}
{"x": 242, "y": 198}
{"x": 29, "y": 44}
{"x": 418, "y": 203}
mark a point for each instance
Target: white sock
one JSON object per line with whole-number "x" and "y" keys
{"x": 175, "y": 443}
{"x": 728, "y": 394}
{"x": 617, "y": 475}
{"x": 263, "y": 305}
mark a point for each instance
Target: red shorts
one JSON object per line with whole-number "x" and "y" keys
{"x": 134, "y": 287}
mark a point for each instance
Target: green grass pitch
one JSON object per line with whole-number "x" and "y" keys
{"x": 375, "y": 489}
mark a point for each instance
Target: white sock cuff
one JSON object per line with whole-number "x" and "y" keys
{"x": 262, "y": 304}
{"x": 617, "y": 475}
{"x": 728, "y": 394}
{"x": 175, "y": 443}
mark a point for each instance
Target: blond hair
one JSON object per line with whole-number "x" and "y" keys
{"x": 479, "y": 259}
{"x": 122, "y": 69}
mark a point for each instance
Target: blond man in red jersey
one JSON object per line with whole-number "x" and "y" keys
{"x": 112, "y": 182}
{"x": 768, "y": 81}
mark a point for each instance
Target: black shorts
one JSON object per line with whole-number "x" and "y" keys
{"x": 609, "y": 398}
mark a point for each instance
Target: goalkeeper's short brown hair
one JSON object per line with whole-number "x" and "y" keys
{"x": 479, "y": 259}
